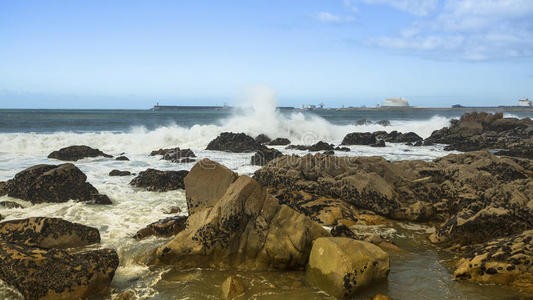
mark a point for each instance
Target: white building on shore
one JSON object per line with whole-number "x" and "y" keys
{"x": 395, "y": 102}
{"x": 525, "y": 102}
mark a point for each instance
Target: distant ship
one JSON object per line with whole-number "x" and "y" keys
{"x": 395, "y": 102}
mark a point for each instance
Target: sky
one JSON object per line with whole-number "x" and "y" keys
{"x": 132, "y": 54}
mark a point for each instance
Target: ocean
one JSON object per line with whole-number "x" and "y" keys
{"x": 28, "y": 136}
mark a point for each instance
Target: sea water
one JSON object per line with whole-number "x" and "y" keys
{"x": 28, "y": 136}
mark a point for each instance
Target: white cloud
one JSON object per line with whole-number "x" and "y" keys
{"x": 415, "y": 7}
{"x": 470, "y": 30}
{"x": 327, "y": 17}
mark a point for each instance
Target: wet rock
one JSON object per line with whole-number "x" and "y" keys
{"x": 477, "y": 196}
{"x": 379, "y": 143}
{"x": 501, "y": 261}
{"x": 53, "y": 183}
{"x": 206, "y": 183}
{"x": 243, "y": 229}
{"x": 383, "y": 123}
{"x": 263, "y": 139}
{"x": 261, "y": 157}
{"x": 10, "y": 204}
{"x": 160, "y": 181}
{"x": 477, "y": 131}
{"x": 187, "y": 160}
{"x": 343, "y": 149}
{"x": 47, "y": 232}
{"x": 359, "y": 138}
{"x": 280, "y": 142}
{"x": 234, "y": 142}
{"x": 329, "y": 152}
{"x": 2, "y": 190}
{"x": 231, "y": 288}
{"x": 39, "y": 273}
{"x": 127, "y": 295}
{"x": 172, "y": 210}
{"x": 74, "y": 153}
{"x": 342, "y": 266}
{"x": 342, "y": 230}
{"x": 124, "y": 158}
{"x": 116, "y": 172}
{"x": 321, "y": 146}
{"x": 164, "y": 227}
{"x": 174, "y": 154}
{"x": 409, "y": 137}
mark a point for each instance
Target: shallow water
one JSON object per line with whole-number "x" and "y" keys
{"x": 422, "y": 274}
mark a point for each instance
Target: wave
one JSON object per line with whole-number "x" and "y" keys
{"x": 257, "y": 115}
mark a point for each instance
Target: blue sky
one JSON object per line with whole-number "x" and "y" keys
{"x": 129, "y": 54}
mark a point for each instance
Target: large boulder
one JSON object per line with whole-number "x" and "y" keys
{"x": 342, "y": 266}
{"x": 51, "y": 183}
{"x": 262, "y": 138}
{"x": 243, "y": 229}
{"x": 164, "y": 227}
{"x": 116, "y": 172}
{"x": 206, "y": 183}
{"x": 174, "y": 154}
{"x": 234, "y": 142}
{"x": 261, "y": 157}
{"x": 39, "y": 273}
{"x": 160, "y": 181}
{"x": 502, "y": 261}
{"x": 280, "y": 142}
{"x": 359, "y": 138}
{"x": 47, "y": 232}
{"x": 74, "y": 153}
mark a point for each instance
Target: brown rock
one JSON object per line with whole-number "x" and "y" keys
{"x": 10, "y": 204}
{"x": 165, "y": 227}
{"x": 231, "y": 288}
{"x": 74, "y": 153}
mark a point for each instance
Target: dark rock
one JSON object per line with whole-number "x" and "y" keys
{"x": 164, "y": 227}
{"x": 409, "y": 137}
{"x": 2, "y": 190}
{"x": 280, "y": 142}
{"x": 187, "y": 160}
{"x": 48, "y": 233}
{"x": 172, "y": 210}
{"x": 418, "y": 144}
{"x": 298, "y": 147}
{"x": 160, "y": 181}
{"x": 122, "y": 158}
{"x": 39, "y": 273}
{"x": 343, "y": 149}
{"x": 380, "y": 143}
{"x": 73, "y": 153}
{"x": 119, "y": 173}
{"x": 10, "y": 204}
{"x": 383, "y": 123}
{"x": 261, "y": 157}
{"x": 359, "y": 138}
{"x": 174, "y": 154}
{"x": 51, "y": 183}
{"x": 321, "y": 146}
{"x": 262, "y": 138}
{"x": 342, "y": 230}
{"x": 234, "y": 142}
{"x": 329, "y": 152}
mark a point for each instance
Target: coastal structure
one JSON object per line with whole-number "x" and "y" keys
{"x": 525, "y": 103}
{"x": 395, "y": 102}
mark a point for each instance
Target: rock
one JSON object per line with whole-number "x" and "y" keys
{"x": 343, "y": 149}
{"x": 231, "y": 288}
{"x": 122, "y": 158}
{"x": 321, "y": 146}
{"x": 74, "y": 153}
{"x": 2, "y": 190}
{"x": 243, "y": 229}
{"x": 116, "y": 172}
{"x": 280, "y": 142}
{"x": 359, "y": 138}
{"x": 261, "y": 157}
{"x": 263, "y": 139}
{"x": 206, "y": 183}
{"x": 174, "y": 154}
{"x": 379, "y": 143}
{"x": 51, "y": 183}
{"x": 363, "y": 122}
{"x": 383, "y": 123}
{"x": 475, "y": 196}
{"x": 501, "y": 261}
{"x": 10, "y": 204}
{"x": 127, "y": 295}
{"x": 187, "y": 160}
{"x": 47, "y": 232}
{"x": 329, "y": 152}
{"x": 173, "y": 210}
{"x": 381, "y": 297}
{"x": 234, "y": 142}
{"x": 165, "y": 227}
{"x": 342, "y": 230}
{"x": 160, "y": 181}
{"x": 477, "y": 131}
{"x": 342, "y": 266}
{"x": 39, "y": 273}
